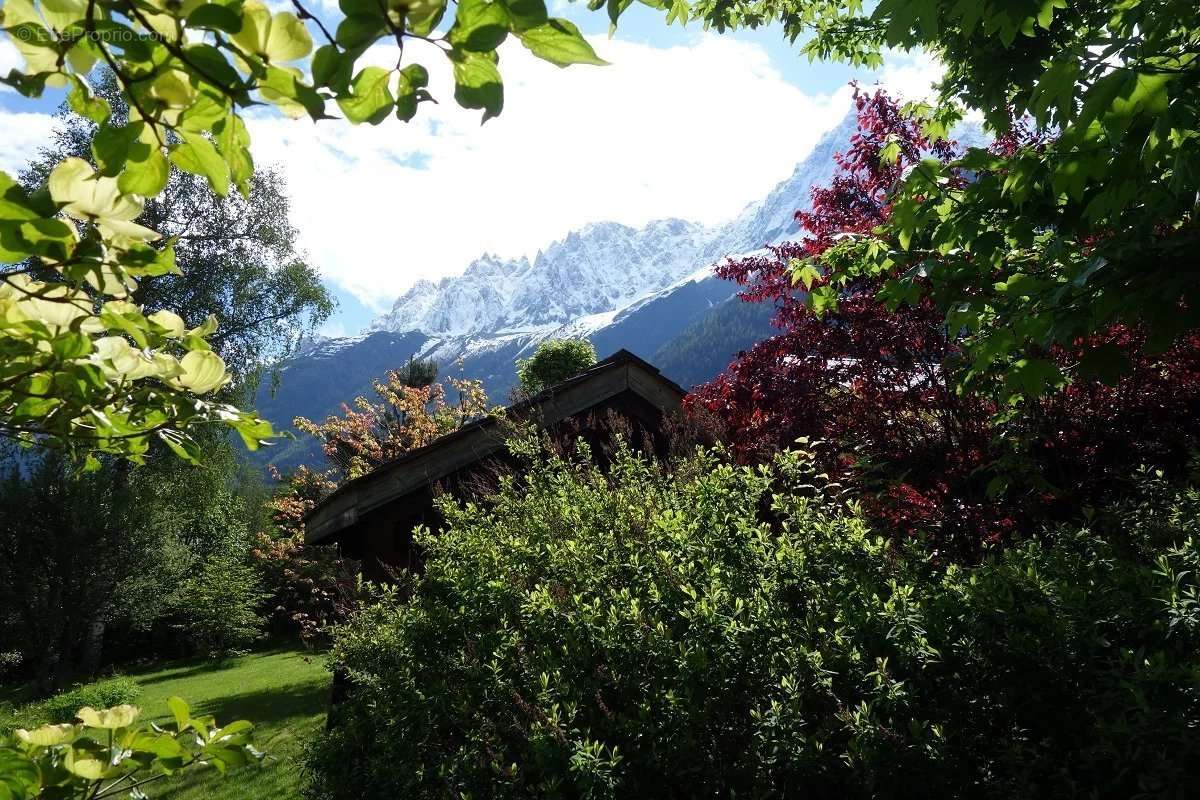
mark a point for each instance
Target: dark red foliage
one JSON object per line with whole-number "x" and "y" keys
{"x": 874, "y": 385}
{"x": 854, "y": 202}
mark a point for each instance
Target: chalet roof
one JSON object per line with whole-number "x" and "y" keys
{"x": 620, "y": 372}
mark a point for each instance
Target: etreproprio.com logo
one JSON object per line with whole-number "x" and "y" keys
{"x": 35, "y": 33}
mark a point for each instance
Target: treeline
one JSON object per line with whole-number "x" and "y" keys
{"x": 706, "y": 347}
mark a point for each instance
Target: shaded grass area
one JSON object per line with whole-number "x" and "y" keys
{"x": 283, "y": 692}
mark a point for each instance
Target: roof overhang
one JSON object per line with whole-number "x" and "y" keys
{"x": 621, "y": 372}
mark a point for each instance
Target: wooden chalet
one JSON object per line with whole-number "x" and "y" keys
{"x": 372, "y": 517}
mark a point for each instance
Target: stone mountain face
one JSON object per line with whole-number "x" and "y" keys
{"x": 604, "y": 268}
{"x": 637, "y": 288}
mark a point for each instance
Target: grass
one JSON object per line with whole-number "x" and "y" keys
{"x": 283, "y": 692}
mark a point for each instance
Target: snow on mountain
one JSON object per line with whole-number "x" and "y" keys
{"x": 602, "y": 267}
{"x": 588, "y": 278}
{"x": 772, "y": 219}
{"x": 650, "y": 290}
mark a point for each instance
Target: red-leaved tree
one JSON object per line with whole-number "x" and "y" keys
{"x": 877, "y": 385}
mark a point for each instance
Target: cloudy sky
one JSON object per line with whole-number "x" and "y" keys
{"x": 682, "y": 123}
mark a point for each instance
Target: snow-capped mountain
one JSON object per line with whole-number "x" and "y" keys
{"x": 604, "y": 266}
{"x": 649, "y": 289}
{"x": 600, "y": 270}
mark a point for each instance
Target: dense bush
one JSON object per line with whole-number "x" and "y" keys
{"x": 62, "y": 707}
{"x": 309, "y": 588}
{"x": 102, "y": 694}
{"x": 736, "y": 631}
{"x": 410, "y": 414}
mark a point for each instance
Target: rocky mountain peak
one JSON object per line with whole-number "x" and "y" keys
{"x": 604, "y": 267}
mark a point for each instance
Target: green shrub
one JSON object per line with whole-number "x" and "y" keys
{"x": 554, "y": 361}
{"x": 725, "y": 631}
{"x": 217, "y": 607}
{"x": 102, "y": 694}
{"x": 14, "y": 716}
{"x": 62, "y": 707}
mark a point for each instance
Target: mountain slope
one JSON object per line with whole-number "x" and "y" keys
{"x": 603, "y": 268}
{"x": 707, "y": 346}
{"x": 646, "y": 327}
{"x": 650, "y": 290}
{"x": 317, "y": 382}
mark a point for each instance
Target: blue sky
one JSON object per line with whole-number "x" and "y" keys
{"x": 683, "y": 123}
{"x": 645, "y": 25}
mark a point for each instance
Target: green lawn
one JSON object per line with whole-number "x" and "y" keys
{"x": 283, "y": 692}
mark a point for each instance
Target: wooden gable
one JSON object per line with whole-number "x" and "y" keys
{"x": 372, "y": 517}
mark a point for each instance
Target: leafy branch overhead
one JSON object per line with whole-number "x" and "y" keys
{"x": 82, "y": 365}
{"x": 1085, "y": 215}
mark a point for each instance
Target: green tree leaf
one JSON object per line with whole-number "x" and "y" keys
{"x": 359, "y": 30}
{"x": 285, "y": 87}
{"x": 233, "y": 142}
{"x": 180, "y": 711}
{"x": 477, "y": 82}
{"x": 479, "y": 25}
{"x": 822, "y": 300}
{"x": 1032, "y": 376}
{"x": 560, "y": 42}
{"x": 615, "y": 9}
{"x": 370, "y": 98}
{"x": 197, "y": 155}
{"x": 14, "y": 203}
{"x": 806, "y": 273}
{"x": 202, "y": 372}
{"x": 420, "y": 16}
{"x": 215, "y": 17}
{"x": 84, "y": 103}
{"x": 526, "y": 14}
{"x": 146, "y": 168}
{"x": 277, "y": 38}
{"x": 87, "y": 196}
{"x": 110, "y": 718}
{"x": 331, "y": 68}
{"x": 110, "y": 146}
{"x": 411, "y": 91}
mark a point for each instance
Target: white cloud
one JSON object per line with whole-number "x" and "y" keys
{"x": 10, "y": 59}
{"x": 694, "y": 132}
{"x": 21, "y": 134}
{"x": 333, "y": 329}
{"x": 912, "y": 75}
